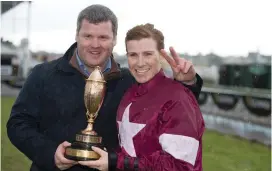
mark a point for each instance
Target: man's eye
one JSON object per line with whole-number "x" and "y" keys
{"x": 104, "y": 37}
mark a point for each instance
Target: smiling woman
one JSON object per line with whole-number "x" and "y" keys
{"x": 160, "y": 123}
{"x": 143, "y": 46}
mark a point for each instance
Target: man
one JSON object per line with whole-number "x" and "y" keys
{"x": 50, "y": 109}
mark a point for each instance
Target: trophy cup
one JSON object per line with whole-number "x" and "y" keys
{"x": 81, "y": 148}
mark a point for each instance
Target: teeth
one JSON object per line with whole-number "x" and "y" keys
{"x": 142, "y": 71}
{"x": 95, "y": 53}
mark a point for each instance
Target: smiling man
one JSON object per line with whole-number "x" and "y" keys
{"x": 50, "y": 109}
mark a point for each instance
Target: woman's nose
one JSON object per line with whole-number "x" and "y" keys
{"x": 141, "y": 61}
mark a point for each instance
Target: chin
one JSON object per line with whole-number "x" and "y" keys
{"x": 94, "y": 63}
{"x": 141, "y": 79}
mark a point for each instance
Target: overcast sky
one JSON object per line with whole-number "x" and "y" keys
{"x": 225, "y": 27}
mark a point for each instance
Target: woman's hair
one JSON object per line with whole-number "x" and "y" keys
{"x": 147, "y": 31}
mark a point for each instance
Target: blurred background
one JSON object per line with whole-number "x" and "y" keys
{"x": 229, "y": 43}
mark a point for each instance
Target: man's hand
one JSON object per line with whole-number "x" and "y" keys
{"x": 101, "y": 163}
{"x": 61, "y": 162}
{"x": 183, "y": 70}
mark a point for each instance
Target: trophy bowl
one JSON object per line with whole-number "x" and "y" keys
{"x": 81, "y": 147}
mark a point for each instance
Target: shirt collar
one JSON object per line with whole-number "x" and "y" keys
{"x": 84, "y": 69}
{"x": 143, "y": 88}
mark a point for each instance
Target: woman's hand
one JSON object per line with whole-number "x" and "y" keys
{"x": 183, "y": 69}
{"x": 101, "y": 163}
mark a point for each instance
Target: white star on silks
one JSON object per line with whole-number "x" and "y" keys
{"x": 127, "y": 131}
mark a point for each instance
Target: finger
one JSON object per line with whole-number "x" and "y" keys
{"x": 98, "y": 150}
{"x": 168, "y": 58}
{"x": 63, "y": 146}
{"x": 181, "y": 62}
{"x": 181, "y": 70}
{"x": 174, "y": 54}
{"x": 92, "y": 164}
{"x": 187, "y": 67}
{"x": 65, "y": 166}
{"x": 64, "y": 160}
{"x": 60, "y": 154}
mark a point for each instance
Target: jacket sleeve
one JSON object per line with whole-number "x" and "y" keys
{"x": 23, "y": 124}
{"x": 180, "y": 138}
{"x": 195, "y": 88}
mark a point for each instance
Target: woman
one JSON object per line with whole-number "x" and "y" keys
{"x": 159, "y": 120}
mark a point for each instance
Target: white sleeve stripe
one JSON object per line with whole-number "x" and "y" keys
{"x": 181, "y": 147}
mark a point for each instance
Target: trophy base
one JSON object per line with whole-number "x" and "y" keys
{"x": 81, "y": 148}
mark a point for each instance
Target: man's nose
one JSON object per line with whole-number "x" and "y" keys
{"x": 94, "y": 43}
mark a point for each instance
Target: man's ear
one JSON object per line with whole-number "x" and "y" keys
{"x": 114, "y": 41}
{"x": 76, "y": 36}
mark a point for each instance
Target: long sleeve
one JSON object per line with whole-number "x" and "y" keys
{"x": 181, "y": 130}
{"x": 22, "y": 126}
{"x": 195, "y": 88}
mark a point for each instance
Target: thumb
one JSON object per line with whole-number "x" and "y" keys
{"x": 181, "y": 69}
{"x": 66, "y": 144}
{"x": 98, "y": 150}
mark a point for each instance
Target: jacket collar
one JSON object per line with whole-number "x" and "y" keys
{"x": 68, "y": 64}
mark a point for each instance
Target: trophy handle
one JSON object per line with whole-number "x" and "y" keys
{"x": 89, "y": 130}
{"x": 90, "y": 118}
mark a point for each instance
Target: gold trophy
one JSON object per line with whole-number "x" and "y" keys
{"x": 81, "y": 148}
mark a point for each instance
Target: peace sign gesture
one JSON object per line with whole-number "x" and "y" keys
{"x": 183, "y": 69}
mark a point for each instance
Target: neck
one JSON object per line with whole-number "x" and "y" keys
{"x": 91, "y": 68}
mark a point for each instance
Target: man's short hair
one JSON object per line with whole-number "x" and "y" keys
{"x": 97, "y": 14}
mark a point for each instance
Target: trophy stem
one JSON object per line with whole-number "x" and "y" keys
{"x": 89, "y": 129}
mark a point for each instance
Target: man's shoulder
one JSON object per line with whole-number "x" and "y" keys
{"x": 44, "y": 69}
{"x": 125, "y": 71}
{"x": 126, "y": 75}
{"x": 47, "y": 66}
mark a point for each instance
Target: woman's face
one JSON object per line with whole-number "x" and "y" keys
{"x": 143, "y": 59}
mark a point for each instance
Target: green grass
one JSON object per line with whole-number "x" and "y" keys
{"x": 220, "y": 153}
{"x": 12, "y": 159}
{"x": 226, "y": 153}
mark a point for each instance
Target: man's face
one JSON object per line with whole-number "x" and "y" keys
{"x": 95, "y": 42}
{"x": 143, "y": 59}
